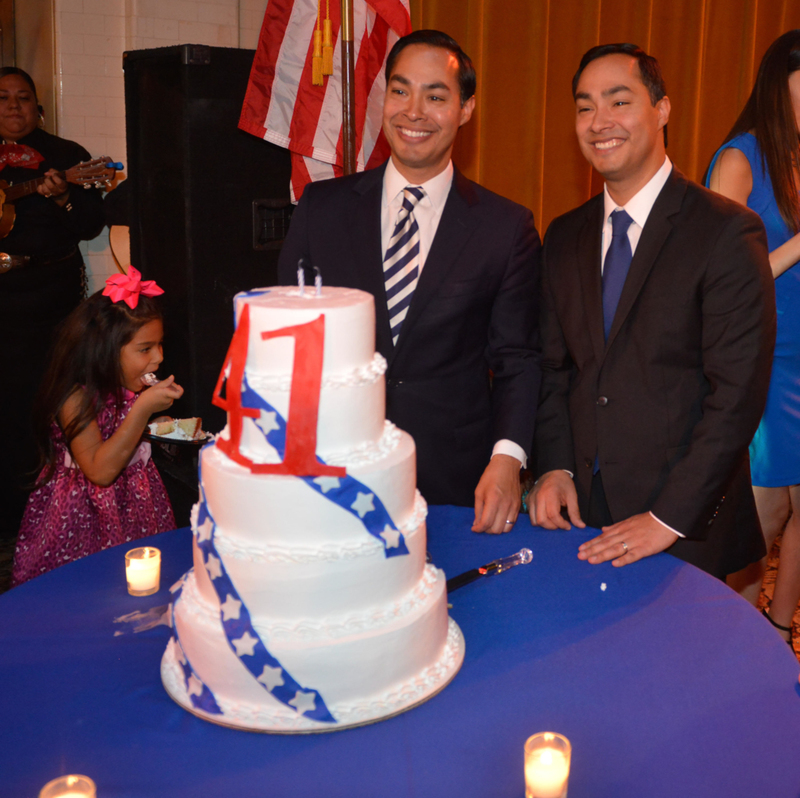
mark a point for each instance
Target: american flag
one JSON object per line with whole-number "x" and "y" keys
{"x": 283, "y": 107}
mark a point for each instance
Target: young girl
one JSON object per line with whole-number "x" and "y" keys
{"x": 98, "y": 486}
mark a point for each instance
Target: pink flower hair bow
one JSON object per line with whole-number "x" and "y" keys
{"x": 127, "y": 287}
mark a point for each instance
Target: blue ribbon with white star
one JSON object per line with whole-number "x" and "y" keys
{"x": 241, "y": 635}
{"x": 204, "y": 699}
{"x": 346, "y": 491}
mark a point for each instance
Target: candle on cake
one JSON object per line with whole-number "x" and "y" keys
{"x": 143, "y": 570}
{"x": 547, "y": 759}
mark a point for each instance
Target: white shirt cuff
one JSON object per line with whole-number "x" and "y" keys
{"x": 505, "y": 446}
{"x": 668, "y": 526}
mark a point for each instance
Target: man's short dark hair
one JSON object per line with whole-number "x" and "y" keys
{"x": 649, "y": 69}
{"x": 435, "y": 38}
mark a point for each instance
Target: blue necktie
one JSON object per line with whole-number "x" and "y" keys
{"x": 615, "y": 268}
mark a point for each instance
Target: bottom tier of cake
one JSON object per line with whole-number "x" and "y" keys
{"x": 365, "y": 666}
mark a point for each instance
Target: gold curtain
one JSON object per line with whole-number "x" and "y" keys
{"x": 521, "y": 141}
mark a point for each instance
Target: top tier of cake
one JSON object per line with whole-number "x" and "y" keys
{"x": 352, "y": 396}
{"x": 349, "y": 328}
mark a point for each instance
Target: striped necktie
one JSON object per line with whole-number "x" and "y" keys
{"x": 401, "y": 262}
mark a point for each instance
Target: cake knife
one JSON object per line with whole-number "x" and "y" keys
{"x": 522, "y": 557}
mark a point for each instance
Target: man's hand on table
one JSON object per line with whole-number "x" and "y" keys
{"x": 553, "y": 491}
{"x": 628, "y": 541}
{"x": 498, "y": 495}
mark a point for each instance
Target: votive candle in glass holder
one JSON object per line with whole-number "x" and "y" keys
{"x": 69, "y": 787}
{"x": 143, "y": 570}
{"x": 547, "y": 758}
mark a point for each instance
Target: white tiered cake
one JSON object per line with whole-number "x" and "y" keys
{"x": 310, "y": 606}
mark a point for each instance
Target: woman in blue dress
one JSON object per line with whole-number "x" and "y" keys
{"x": 757, "y": 165}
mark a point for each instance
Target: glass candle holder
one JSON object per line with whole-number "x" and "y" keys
{"x": 143, "y": 570}
{"x": 69, "y": 787}
{"x": 547, "y": 758}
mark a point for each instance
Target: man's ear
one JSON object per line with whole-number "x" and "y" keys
{"x": 664, "y": 107}
{"x": 466, "y": 111}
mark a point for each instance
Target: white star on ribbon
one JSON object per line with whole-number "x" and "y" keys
{"x": 244, "y": 645}
{"x": 363, "y": 504}
{"x": 303, "y": 702}
{"x": 271, "y": 677}
{"x": 204, "y": 530}
{"x": 391, "y": 536}
{"x": 213, "y": 567}
{"x": 266, "y": 422}
{"x": 230, "y": 609}
{"x": 327, "y": 483}
{"x": 195, "y": 686}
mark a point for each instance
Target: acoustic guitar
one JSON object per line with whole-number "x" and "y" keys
{"x": 98, "y": 173}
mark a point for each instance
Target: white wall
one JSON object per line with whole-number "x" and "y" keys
{"x": 90, "y": 37}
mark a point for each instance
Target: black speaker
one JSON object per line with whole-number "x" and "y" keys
{"x": 209, "y": 204}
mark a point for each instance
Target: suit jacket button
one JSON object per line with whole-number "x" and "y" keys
{"x": 588, "y": 462}
{"x": 602, "y": 401}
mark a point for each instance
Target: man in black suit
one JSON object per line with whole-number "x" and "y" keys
{"x": 658, "y": 324}
{"x": 454, "y": 272}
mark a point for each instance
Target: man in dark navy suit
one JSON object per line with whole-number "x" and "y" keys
{"x": 454, "y": 272}
{"x": 658, "y": 323}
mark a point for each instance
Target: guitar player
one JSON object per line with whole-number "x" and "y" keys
{"x": 41, "y": 275}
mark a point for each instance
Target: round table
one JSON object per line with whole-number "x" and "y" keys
{"x": 665, "y": 681}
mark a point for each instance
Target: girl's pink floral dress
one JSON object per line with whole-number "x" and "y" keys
{"x": 70, "y": 517}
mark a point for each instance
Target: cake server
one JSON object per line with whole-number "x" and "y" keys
{"x": 522, "y": 557}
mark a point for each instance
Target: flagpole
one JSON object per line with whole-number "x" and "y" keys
{"x": 348, "y": 89}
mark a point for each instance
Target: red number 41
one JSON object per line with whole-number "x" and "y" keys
{"x": 300, "y": 455}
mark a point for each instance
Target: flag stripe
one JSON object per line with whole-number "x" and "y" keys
{"x": 262, "y": 75}
{"x": 283, "y": 107}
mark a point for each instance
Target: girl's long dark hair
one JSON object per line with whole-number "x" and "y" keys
{"x": 770, "y": 115}
{"x": 86, "y": 354}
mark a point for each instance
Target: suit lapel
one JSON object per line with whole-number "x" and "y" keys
{"x": 589, "y": 247}
{"x": 656, "y": 230}
{"x": 365, "y": 233}
{"x": 455, "y": 228}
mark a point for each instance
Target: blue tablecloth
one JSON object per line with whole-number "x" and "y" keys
{"x": 666, "y": 682}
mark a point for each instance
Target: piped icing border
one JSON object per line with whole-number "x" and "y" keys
{"x": 364, "y": 454}
{"x": 361, "y": 375}
{"x": 326, "y": 552}
{"x": 368, "y": 452}
{"x": 305, "y": 630}
{"x": 274, "y": 718}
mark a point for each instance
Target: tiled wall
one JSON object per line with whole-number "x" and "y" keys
{"x": 90, "y": 37}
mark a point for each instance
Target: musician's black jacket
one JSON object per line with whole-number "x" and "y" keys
{"x": 33, "y": 301}
{"x": 41, "y": 227}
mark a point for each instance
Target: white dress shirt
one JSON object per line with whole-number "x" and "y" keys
{"x": 638, "y": 208}
{"x": 428, "y": 213}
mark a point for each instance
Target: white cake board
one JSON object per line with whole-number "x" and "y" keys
{"x": 452, "y": 656}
